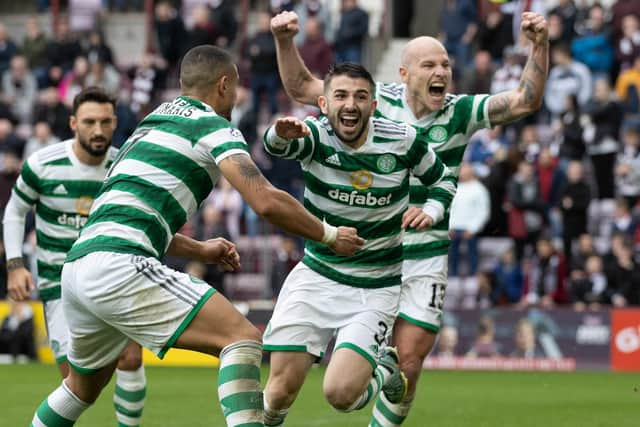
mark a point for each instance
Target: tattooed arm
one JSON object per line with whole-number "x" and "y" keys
{"x": 282, "y": 210}
{"x": 297, "y": 80}
{"x": 512, "y": 105}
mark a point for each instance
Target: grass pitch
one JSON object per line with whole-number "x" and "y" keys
{"x": 187, "y": 397}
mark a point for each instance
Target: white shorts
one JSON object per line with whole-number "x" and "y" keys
{"x": 57, "y": 329}
{"x": 312, "y": 309}
{"x": 424, "y": 283}
{"x": 109, "y": 298}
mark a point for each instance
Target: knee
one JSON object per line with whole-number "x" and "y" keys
{"x": 279, "y": 393}
{"x": 249, "y": 332}
{"x": 341, "y": 396}
{"x": 411, "y": 365}
{"x": 130, "y": 360}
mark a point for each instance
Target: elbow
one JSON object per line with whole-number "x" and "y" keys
{"x": 266, "y": 205}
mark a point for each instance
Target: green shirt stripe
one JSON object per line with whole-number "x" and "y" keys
{"x": 107, "y": 244}
{"x": 54, "y": 244}
{"x": 49, "y": 271}
{"x": 345, "y": 279}
{"x": 377, "y": 257}
{"x": 426, "y": 250}
{"x": 23, "y": 196}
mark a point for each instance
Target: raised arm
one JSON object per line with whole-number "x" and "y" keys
{"x": 512, "y": 105}
{"x": 298, "y": 81}
{"x": 282, "y": 210}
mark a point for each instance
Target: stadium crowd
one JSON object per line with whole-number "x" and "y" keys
{"x": 547, "y": 209}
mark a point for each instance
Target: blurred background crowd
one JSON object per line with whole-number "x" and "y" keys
{"x": 547, "y": 209}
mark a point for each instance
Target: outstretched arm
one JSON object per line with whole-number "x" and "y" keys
{"x": 296, "y": 78}
{"x": 512, "y": 105}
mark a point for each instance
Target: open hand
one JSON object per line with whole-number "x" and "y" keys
{"x": 415, "y": 217}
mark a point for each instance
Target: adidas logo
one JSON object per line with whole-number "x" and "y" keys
{"x": 60, "y": 189}
{"x": 333, "y": 159}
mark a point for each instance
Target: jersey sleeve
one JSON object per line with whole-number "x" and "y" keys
{"x": 222, "y": 140}
{"x": 472, "y": 110}
{"x": 300, "y": 149}
{"x": 435, "y": 175}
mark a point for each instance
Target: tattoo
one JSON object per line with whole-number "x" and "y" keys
{"x": 14, "y": 263}
{"x": 499, "y": 110}
{"x": 529, "y": 90}
{"x": 249, "y": 171}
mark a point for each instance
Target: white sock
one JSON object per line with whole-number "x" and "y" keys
{"x": 129, "y": 396}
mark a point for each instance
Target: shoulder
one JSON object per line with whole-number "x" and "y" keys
{"x": 391, "y": 129}
{"x": 389, "y": 91}
{"x": 51, "y": 154}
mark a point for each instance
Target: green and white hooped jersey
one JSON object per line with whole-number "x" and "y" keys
{"x": 62, "y": 189}
{"x": 448, "y": 131}
{"x": 161, "y": 175}
{"x": 366, "y": 188}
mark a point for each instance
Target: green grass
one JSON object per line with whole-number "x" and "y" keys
{"x": 187, "y": 397}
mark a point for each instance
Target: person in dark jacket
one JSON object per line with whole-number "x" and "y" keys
{"x": 354, "y": 27}
{"x": 574, "y": 201}
{"x": 315, "y": 50}
{"x": 170, "y": 32}
{"x": 264, "y": 65}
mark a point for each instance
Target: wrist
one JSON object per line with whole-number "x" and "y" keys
{"x": 330, "y": 234}
{"x": 15, "y": 263}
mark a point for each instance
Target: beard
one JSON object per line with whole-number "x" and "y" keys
{"x": 96, "y": 152}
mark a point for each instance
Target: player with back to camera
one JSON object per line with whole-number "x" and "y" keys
{"x": 114, "y": 287}
{"x": 448, "y": 121}
{"x": 62, "y": 181}
{"x": 356, "y": 171}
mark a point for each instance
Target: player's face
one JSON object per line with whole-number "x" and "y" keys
{"x": 348, "y": 103}
{"x": 428, "y": 75}
{"x": 94, "y": 124}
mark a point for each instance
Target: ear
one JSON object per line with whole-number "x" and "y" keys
{"x": 73, "y": 123}
{"x": 403, "y": 74}
{"x": 322, "y": 103}
{"x": 222, "y": 84}
{"x": 114, "y": 123}
{"x": 374, "y": 105}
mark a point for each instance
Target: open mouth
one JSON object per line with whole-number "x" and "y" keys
{"x": 436, "y": 89}
{"x": 349, "y": 120}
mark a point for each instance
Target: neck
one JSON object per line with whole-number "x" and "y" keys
{"x": 360, "y": 141}
{"x": 84, "y": 156}
{"x": 418, "y": 108}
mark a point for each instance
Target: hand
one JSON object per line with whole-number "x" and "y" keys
{"x": 222, "y": 252}
{"x": 348, "y": 242}
{"x": 535, "y": 28}
{"x": 284, "y": 25}
{"x": 20, "y": 284}
{"x": 416, "y": 218}
{"x": 291, "y": 128}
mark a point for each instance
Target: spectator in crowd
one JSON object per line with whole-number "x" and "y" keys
{"x": 590, "y": 290}
{"x": 502, "y": 164}
{"x": 84, "y": 15}
{"x": 507, "y": 77}
{"x": 318, "y": 10}
{"x": 62, "y": 52}
{"x": 601, "y": 136}
{"x": 628, "y": 88}
{"x": 16, "y": 332}
{"x": 624, "y": 278}
{"x": 627, "y": 169}
{"x": 484, "y": 344}
{"x": 545, "y": 281}
{"x": 9, "y": 140}
{"x": 556, "y": 31}
{"x": 483, "y": 149}
{"x": 458, "y": 28}
{"x": 526, "y": 208}
{"x": 508, "y": 278}
{"x": 594, "y": 48}
{"x": 224, "y": 21}
{"x": 551, "y": 178}
{"x": 315, "y": 51}
{"x": 447, "y": 341}
{"x": 351, "y": 33}
{"x": 51, "y": 110}
{"x": 98, "y": 49}
{"x": 567, "y": 11}
{"x": 103, "y": 75}
{"x": 477, "y": 79}
{"x": 202, "y": 30}
{"x": 20, "y": 88}
{"x": 495, "y": 34}
{"x": 10, "y": 166}
{"x": 628, "y": 47}
{"x": 148, "y": 78}
{"x": 569, "y": 130}
{"x": 212, "y": 225}
{"x": 228, "y": 202}
{"x": 529, "y": 143}
{"x": 170, "y": 32}
{"x": 574, "y": 201}
{"x": 42, "y": 137}
{"x": 566, "y": 77}
{"x": 525, "y": 341}
{"x": 580, "y": 254}
{"x": 287, "y": 256}
{"x": 74, "y": 80}
{"x": 470, "y": 211}
{"x": 34, "y": 49}
{"x": 7, "y": 49}
{"x": 623, "y": 221}
{"x": 265, "y": 79}
{"x": 3, "y": 267}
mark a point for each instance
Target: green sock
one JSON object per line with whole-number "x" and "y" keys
{"x": 380, "y": 375}
{"x": 387, "y": 414}
{"x": 60, "y": 409}
{"x": 239, "y": 387}
{"x": 129, "y": 396}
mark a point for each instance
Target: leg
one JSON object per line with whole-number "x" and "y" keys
{"x": 342, "y": 391}
{"x": 472, "y": 253}
{"x": 131, "y": 386}
{"x": 288, "y": 370}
